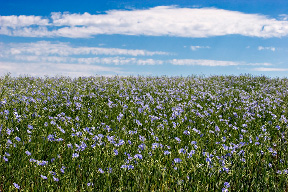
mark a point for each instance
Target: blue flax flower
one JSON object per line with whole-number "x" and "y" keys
{"x": 16, "y": 185}
{"x": 177, "y": 160}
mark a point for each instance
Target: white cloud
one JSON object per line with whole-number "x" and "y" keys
{"x": 283, "y": 17}
{"x": 270, "y": 69}
{"x": 202, "y": 62}
{"x": 266, "y": 48}
{"x": 52, "y": 69}
{"x": 65, "y": 49}
{"x": 14, "y": 21}
{"x": 212, "y": 63}
{"x": 157, "y": 21}
{"x": 47, "y": 52}
{"x": 194, "y": 48}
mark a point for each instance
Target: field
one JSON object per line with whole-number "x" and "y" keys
{"x": 218, "y": 133}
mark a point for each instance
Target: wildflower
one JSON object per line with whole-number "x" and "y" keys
{"x": 5, "y": 159}
{"x": 138, "y": 122}
{"x": 16, "y": 186}
{"x": 123, "y": 166}
{"x": 115, "y": 151}
{"x": 186, "y": 132}
{"x": 191, "y": 153}
{"x": 121, "y": 142}
{"x": 43, "y": 177}
{"x": 52, "y": 172}
{"x": 226, "y": 185}
{"x": 27, "y": 153}
{"x": 130, "y": 167}
{"x": 142, "y": 146}
{"x": 75, "y": 155}
{"x": 155, "y": 145}
{"x": 100, "y": 170}
{"x": 109, "y": 170}
{"x": 142, "y": 138}
{"x": 178, "y": 139}
{"x": 55, "y": 178}
{"x": 17, "y": 138}
{"x": 9, "y": 131}
{"x": 62, "y": 169}
{"x": 182, "y": 151}
{"x": 166, "y": 152}
{"x": 42, "y": 163}
{"x": 138, "y": 156}
{"x": 177, "y": 160}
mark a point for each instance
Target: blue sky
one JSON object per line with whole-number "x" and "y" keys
{"x": 159, "y": 37}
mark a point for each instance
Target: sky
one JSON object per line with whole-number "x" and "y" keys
{"x": 147, "y": 38}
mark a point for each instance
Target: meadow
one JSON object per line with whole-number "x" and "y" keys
{"x": 217, "y": 133}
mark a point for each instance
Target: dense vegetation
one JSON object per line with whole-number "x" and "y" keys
{"x": 218, "y": 133}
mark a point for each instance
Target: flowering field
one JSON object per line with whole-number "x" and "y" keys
{"x": 219, "y": 133}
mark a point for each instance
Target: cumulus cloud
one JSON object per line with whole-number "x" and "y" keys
{"x": 194, "y": 48}
{"x": 157, "y": 21}
{"x": 266, "y": 48}
{"x": 14, "y": 21}
{"x": 283, "y": 17}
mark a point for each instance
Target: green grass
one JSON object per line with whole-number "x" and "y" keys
{"x": 238, "y": 125}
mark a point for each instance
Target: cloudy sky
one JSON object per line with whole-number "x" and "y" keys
{"x": 149, "y": 38}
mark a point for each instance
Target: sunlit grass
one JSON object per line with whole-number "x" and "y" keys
{"x": 143, "y": 133}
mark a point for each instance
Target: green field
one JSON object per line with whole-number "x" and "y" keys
{"x": 143, "y": 133}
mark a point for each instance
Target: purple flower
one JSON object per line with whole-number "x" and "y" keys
{"x": 100, "y": 170}
{"x": 55, "y": 178}
{"x": 182, "y": 151}
{"x": 75, "y": 155}
{"x": 142, "y": 146}
{"x": 27, "y": 153}
{"x": 141, "y": 138}
{"x": 186, "y": 132}
{"x": 130, "y": 167}
{"x": 17, "y": 138}
{"x": 166, "y": 152}
{"x": 121, "y": 142}
{"x": 42, "y": 163}
{"x": 16, "y": 185}
{"x": 226, "y": 185}
{"x": 191, "y": 153}
{"x": 177, "y": 160}
{"x": 5, "y": 158}
{"x": 43, "y": 177}
{"x": 62, "y": 169}
{"x": 177, "y": 139}
{"x": 138, "y": 156}
{"x": 193, "y": 142}
{"x": 123, "y": 166}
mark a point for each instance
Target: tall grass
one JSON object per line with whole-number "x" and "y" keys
{"x": 219, "y": 133}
